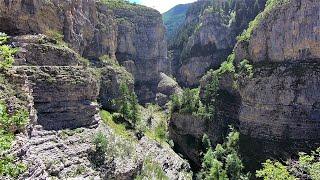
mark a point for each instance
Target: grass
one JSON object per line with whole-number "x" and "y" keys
{"x": 119, "y": 129}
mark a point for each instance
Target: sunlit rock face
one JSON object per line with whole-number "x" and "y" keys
{"x": 208, "y": 37}
{"x": 135, "y": 35}
{"x": 280, "y": 103}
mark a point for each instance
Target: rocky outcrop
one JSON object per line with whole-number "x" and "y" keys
{"x": 278, "y": 37}
{"x": 39, "y": 50}
{"x": 63, "y": 92}
{"x": 279, "y": 108}
{"x": 208, "y": 37}
{"x": 63, "y": 96}
{"x": 112, "y": 77}
{"x": 133, "y": 34}
{"x": 67, "y": 154}
{"x": 166, "y": 88}
{"x": 187, "y": 130}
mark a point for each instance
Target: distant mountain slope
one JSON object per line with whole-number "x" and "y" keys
{"x": 174, "y": 18}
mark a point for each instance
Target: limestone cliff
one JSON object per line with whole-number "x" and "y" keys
{"x": 274, "y": 100}
{"x": 133, "y": 34}
{"x": 280, "y": 102}
{"x": 61, "y": 96}
{"x": 208, "y": 36}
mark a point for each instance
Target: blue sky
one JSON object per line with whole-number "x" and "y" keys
{"x": 162, "y": 5}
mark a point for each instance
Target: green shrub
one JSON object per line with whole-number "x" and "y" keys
{"x": 119, "y": 4}
{"x": 6, "y": 140}
{"x": 161, "y": 132}
{"x": 119, "y": 129}
{"x": 56, "y": 35}
{"x": 246, "y": 68}
{"x": 8, "y": 167}
{"x": 223, "y": 162}
{"x": 128, "y": 103}
{"x": 6, "y": 53}
{"x": 11, "y": 123}
{"x": 306, "y": 167}
{"x": 100, "y": 142}
{"x": 274, "y": 170}
{"x": 151, "y": 170}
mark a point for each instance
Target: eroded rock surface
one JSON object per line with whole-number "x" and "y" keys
{"x": 279, "y": 109}
{"x": 208, "y": 37}
{"x": 290, "y": 32}
{"x": 133, "y": 34}
{"x": 166, "y": 88}
{"x": 67, "y": 154}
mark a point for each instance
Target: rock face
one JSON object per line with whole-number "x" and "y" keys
{"x": 112, "y": 76}
{"x": 278, "y": 37}
{"x": 67, "y": 154}
{"x": 187, "y": 130}
{"x": 63, "y": 93}
{"x": 208, "y": 37}
{"x": 59, "y": 142}
{"x": 166, "y": 87}
{"x": 280, "y": 102}
{"x": 133, "y": 34}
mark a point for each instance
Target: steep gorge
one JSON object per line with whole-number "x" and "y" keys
{"x": 267, "y": 89}
{"x": 74, "y": 56}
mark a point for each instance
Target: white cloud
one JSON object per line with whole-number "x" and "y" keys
{"x": 163, "y": 5}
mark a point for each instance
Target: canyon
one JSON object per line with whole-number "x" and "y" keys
{"x": 74, "y": 57}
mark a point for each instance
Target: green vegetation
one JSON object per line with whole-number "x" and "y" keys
{"x": 223, "y": 162}
{"x": 151, "y": 170}
{"x": 270, "y": 5}
{"x": 161, "y": 131}
{"x": 6, "y": 53}
{"x": 56, "y": 35}
{"x": 190, "y": 101}
{"x": 119, "y": 4}
{"x": 246, "y": 68}
{"x": 119, "y": 129}
{"x": 174, "y": 18}
{"x": 129, "y": 106}
{"x": 9, "y": 167}
{"x": 306, "y": 167}
{"x": 14, "y": 122}
{"x": 274, "y": 170}
{"x": 9, "y": 124}
{"x": 98, "y": 157}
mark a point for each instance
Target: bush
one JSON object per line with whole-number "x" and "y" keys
{"x": 151, "y": 170}
{"x": 98, "y": 157}
{"x": 246, "y": 68}
{"x": 224, "y": 162}
{"x": 306, "y": 167}
{"x": 8, "y": 167}
{"x": 161, "y": 132}
{"x": 11, "y": 123}
{"x": 274, "y": 170}
{"x": 128, "y": 103}
{"x": 6, "y": 53}
{"x": 119, "y": 129}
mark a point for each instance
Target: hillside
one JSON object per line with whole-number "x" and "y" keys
{"x": 174, "y": 18}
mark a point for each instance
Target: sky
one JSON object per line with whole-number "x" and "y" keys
{"x": 162, "y": 5}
